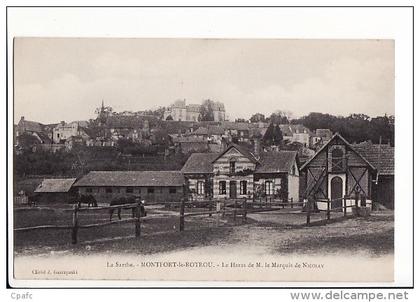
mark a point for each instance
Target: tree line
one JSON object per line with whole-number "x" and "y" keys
{"x": 355, "y": 128}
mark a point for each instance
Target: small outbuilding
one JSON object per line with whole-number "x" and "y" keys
{"x": 336, "y": 171}
{"x": 56, "y": 190}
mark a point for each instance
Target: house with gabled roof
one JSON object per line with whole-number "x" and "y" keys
{"x": 199, "y": 171}
{"x": 237, "y": 173}
{"x": 338, "y": 170}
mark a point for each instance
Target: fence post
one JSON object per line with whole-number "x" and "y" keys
{"x": 181, "y": 215}
{"x": 308, "y": 212}
{"x": 328, "y": 209}
{"x": 224, "y": 207}
{"x": 234, "y": 210}
{"x": 138, "y": 221}
{"x": 356, "y": 199}
{"x": 291, "y": 203}
{"x": 218, "y": 204}
{"x": 210, "y": 206}
{"x": 75, "y": 224}
{"x": 244, "y": 210}
{"x": 345, "y": 205}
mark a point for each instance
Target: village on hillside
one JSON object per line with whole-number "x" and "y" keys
{"x": 183, "y": 177}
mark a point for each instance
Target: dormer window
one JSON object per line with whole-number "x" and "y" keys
{"x": 232, "y": 165}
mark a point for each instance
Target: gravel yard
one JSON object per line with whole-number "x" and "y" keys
{"x": 268, "y": 233}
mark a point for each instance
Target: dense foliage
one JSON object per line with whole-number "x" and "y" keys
{"x": 355, "y": 127}
{"x": 83, "y": 159}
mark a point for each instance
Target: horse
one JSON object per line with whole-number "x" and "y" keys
{"x": 88, "y": 199}
{"x": 126, "y": 200}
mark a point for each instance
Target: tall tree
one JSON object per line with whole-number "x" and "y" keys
{"x": 206, "y": 110}
{"x": 280, "y": 117}
{"x": 273, "y": 136}
{"x": 257, "y": 117}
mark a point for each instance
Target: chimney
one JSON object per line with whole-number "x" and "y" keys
{"x": 224, "y": 145}
{"x": 257, "y": 147}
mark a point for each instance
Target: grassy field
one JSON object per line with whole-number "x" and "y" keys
{"x": 271, "y": 232}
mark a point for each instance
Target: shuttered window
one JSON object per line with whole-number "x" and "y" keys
{"x": 243, "y": 187}
{"x": 200, "y": 188}
{"x": 269, "y": 187}
{"x": 222, "y": 187}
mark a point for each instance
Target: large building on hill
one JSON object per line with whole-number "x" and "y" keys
{"x": 180, "y": 111}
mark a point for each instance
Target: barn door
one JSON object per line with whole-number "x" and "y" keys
{"x": 336, "y": 192}
{"x": 232, "y": 189}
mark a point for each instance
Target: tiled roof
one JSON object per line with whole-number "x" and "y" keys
{"x": 187, "y": 139}
{"x": 130, "y": 122}
{"x": 242, "y": 150}
{"x": 61, "y": 185}
{"x": 30, "y": 126}
{"x": 276, "y": 161}
{"x": 176, "y": 127}
{"x": 240, "y": 126}
{"x": 131, "y": 178}
{"x": 200, "y": 163}
{"x": 380, "y": 156}
{"x": 325, "y": 133}
{"x": 43, "y": 137}
{"x": 201, "y": 131}
{"x": 216, "y": 130}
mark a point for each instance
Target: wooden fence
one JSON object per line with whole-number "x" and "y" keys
{"x": 343, "y": 208}
{"x": 238, "y": 209}
{"x": 242, "y": 207}
{"x": 234, "y": 207}
{"x": 75, "y": 226}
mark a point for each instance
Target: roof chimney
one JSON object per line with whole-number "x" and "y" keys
{"x": 257, "y": 147}
{"x": 224, "y": 145}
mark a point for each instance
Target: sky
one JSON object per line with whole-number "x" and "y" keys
{"x": 66, "y": 79}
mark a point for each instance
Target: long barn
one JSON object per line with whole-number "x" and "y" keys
{"x": 157, "y": 186}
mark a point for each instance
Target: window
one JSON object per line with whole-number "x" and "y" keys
{"x": 222, "y": 187}
{"x": 150, "y": 190}
{"x": 108, "y": 190}
{"x": 232, "y": 166}
{"x": 88, "y": 190}
{"x": 269, "y": 187}
{"x": 200, "y": 188}
{"x": 129, "y": 190}
{"x": 172, "y": 190}
{"x": 243, "y": 188}
{"x": 337, "y": 160}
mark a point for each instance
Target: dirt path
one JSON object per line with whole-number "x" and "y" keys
{"x": 261, "y": 235}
